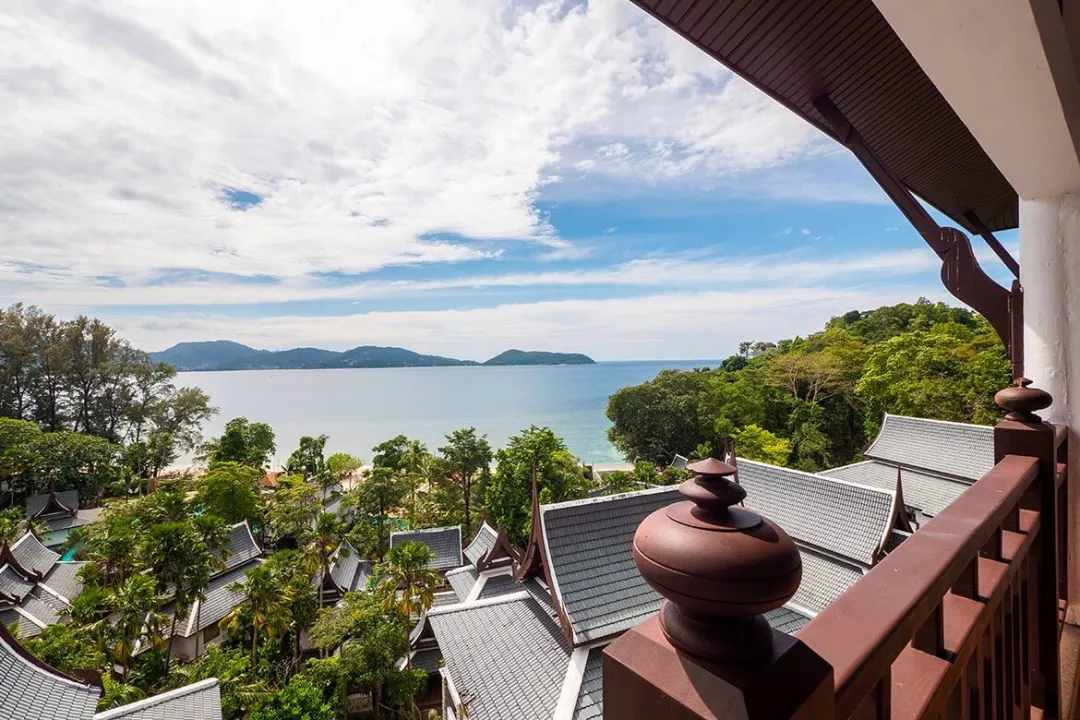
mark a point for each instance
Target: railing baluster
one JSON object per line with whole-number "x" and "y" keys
{"x": 968, "y": 584}
{"x": 930, "y": 638}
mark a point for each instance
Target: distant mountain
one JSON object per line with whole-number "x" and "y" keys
{"x": 533, "y": 357}
{"x": 226, "y": 355}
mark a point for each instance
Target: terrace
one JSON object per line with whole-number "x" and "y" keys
{"x": 963, "y": 111}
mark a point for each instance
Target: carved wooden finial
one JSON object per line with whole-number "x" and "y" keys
{"x": 720, "y": 568}
{"x": 1023, "y": 401}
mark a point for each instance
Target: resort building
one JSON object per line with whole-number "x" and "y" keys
{"x": 37, "y": 587}
{"x": 61, "y": 514}
{"x": 444, "y": 543}
{"x": 347, "y": 571}
{"x": 36, "y": 691}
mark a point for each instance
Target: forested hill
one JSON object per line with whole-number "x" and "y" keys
{"x": 226, "y": 355}
{"x": 815, "y": 402}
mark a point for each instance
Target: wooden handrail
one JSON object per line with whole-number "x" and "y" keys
{"x": 863, "y": 632}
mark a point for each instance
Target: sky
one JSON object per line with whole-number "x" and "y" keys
{"x": 452, "y": 176}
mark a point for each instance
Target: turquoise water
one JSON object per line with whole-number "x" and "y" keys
{"x": 70, "y": 554}
{"x": 360, "y": 408}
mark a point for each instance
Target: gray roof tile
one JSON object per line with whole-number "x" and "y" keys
{"x": 241, "y": 547}
{"x": 218, "y": 602}
{"x": 786, "y": 619}
{"x": 955, "y": 449}
{"x": 922, "y": 490}
{"x": 43, "y": 607}
{"x": 429, "y": 659}
{"x": 82, "y": 517}
{"x": 63, "y": 578}
{"x": 462, "y": 581}
{"x": 17, "y": 622}
{"x": 348, "y": 570}
{"x": 198, "y": 701}
{"x": 481, "y": 544}
{"x": 29, "y": 692}
{"x": 442, "y": 599}
{"x": 824, "y": 579}
{"x": 814, "y": 508}
{"x": 498, "y": 585}
{"x": 506, "y": 659}
{"x": 32, "y": 555}
{"x": 591, "y": 561}
{"x": 13, "y": 584}
{"x": 444, "y": 542}
{"x": 590, "y": 702}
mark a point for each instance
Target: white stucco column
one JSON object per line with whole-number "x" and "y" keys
{"x": 1050, "y": 273}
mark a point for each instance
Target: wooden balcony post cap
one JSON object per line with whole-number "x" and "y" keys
{"x": 1023, "y": 401}
{"x": 720, "y": 567}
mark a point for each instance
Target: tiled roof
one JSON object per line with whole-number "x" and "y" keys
{"x": 241, "y": 547}
{"x": 30, "y": 692}
{"x": 348, "y": 570}
{"x": 839, "y": 517}
{"x": 498, "y": 585}
{"x": 37, "y": 503}
{"x": 429, "y": 659}
{"x": 219, "y": 601}
{"x": 590, "y": 702}
{"x": 958, "y": 450}
{"x": 63, "y": 578}
{"x": 16, "y": 622}
{"x": 823, "y": 580}
{"x": 198, "y": 701}
{"x": 896, "y": 537}
{"x": 922, "y": 490}
{"x": 444, "y": 542}
{"x": 591, "y": 562}
{"x": 442, "y": 599}
{"x": 43, "y": 607}
{"x": 13, "y": 584}
{"x": 786, "y": 619}
{"x": 506, "y": 658}
{"x": 462, "y": 581}
{"x": 32, "y": 555}
{"x": 539, "y": 594}
{"x": 481, "y": 544}
{"x": 82, "y": 517}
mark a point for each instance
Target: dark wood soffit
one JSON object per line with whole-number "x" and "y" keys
{"x": 795, "y": 50}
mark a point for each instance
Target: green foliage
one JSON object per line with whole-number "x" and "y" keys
{"x": 757, "y": 443}
{"x": 342, "y": 465}
{"x": 814, "y": 402}
{"x": 242, "y": 687}
{"x": 381, "y": 493}
{"x": 230, "y": 491}
{"x": 508, "y": 495}
{"x": 67, "y": 648}
{"x": 405, "y": 584}
{"x": 292, "y": 512}
{"x": 308, "y": 459}
{"x": 242, "y": 442}
{"x": 299, "y": 700}
{"x": 468, "y": 459}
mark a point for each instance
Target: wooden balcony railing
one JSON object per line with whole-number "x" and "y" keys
{"x": 963, "y": 620}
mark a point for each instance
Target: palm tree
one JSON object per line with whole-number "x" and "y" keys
{"x": 264, "y": 606}
{"x": 412, "y": 465}
{"x": 135, "y": 605}
{"x": 406, "y": 584}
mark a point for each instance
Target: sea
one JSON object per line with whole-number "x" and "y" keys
{"x": 360, "y": 408}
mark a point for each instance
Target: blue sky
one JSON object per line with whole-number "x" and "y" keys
{"x": 455, "y": 177}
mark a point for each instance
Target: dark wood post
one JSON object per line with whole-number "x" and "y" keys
{"x": 710, "y": 654}
{"x": 1022, "y": 432}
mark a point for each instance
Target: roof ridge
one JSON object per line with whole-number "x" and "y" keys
{"x": 486, "y": 602}
{"x": 955, "y": 423}
{"x": 607, "y": 498}
{"x": 124, "y": 710}
{"x": 427, "y": 530}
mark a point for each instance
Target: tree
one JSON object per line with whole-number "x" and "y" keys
{"x": 756, "y": 443}
{"x": 308, "y": 460}
{"x": 508, "y": 494}
{"x": 328, "y": 534}
{"x": 468, "y": 459}
{"x": 294, "y": 570}
{"x": 135, "y": 605}
{"x": 263, "y": 608}
{"x": 177, "y": 556}
{"x": 406, "y": 584}
{"x": 111, "y": 543}
{"x": 66, "y": 648}
{"x": 342, "y": 466}
{"x": 292, "y": 512}
{"x": 300, "y": 699}
{"x": 241, "y": 687}
{"x": 230, "y": 491}
{"x": 380, "y": 494}
{"x": 391, "y": 454}
{"x": 242, "y": 442}
{"x": 370, "y": 642}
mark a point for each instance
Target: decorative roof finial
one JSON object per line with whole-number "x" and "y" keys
{"x": 1022, "y": 401}
{"x": 720, "y": 567}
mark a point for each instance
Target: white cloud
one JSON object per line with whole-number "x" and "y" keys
{"x": 666, "y": 326}
{"x": 366, "y": 128}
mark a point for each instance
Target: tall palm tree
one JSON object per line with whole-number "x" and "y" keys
{"x": 406, "y": 584}
{"x": 413, "y": 461}
{"x": 328, "y": 534}
{"x": 264, "y": 606}
{"x": 133, "y": 603}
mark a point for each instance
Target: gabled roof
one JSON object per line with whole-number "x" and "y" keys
{"x": 241, "y": 546}
{"x": 84, "y": 516}
{"x": 506, "y": 657}
{"x": 481, "y": 543}
{"x": 64, "y": 579}
{"x": 31, "y": 690}
{"x": 924, "y": 491}
{"x": 348, "y": 572}
{"x": 444, "y": 542}
{"x": 462, "y": 580}
{"x": 957, "y": 450}
{"x": 219, "y": 600}
{"x": 839, "y": 517}
{"x": 591, "y": 568}
{"x": 198, "y": 701}
{"x": 34, "y": 556}
{"x": 53, "y": 504}
{"x": 824, "y": 579}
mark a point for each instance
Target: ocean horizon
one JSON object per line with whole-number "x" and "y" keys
{"x": 359, "y": 408}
